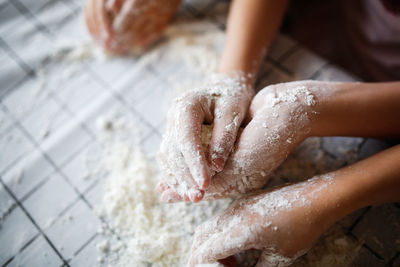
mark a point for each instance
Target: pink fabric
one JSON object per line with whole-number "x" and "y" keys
{"x": 374, "y": 33}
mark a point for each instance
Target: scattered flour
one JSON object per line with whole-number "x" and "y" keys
{"x": 149, "y": 232}
{"x": 142, "y": 231}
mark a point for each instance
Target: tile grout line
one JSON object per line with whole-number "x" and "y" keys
{"x": 14, "y": 56}
{"x": 121, "y": 99}
{"x": 30, "y": 16}
{"x": 33, "y": 222}
{"x": 60, "y": 172}
{"x": 22, "y": 249}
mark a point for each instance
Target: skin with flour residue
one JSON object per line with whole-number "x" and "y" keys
{"x": 277, "y": 222}
{"x": 279, "y": 119}
{"x": 119, "y": 26}
{"x": 183, "y": 161}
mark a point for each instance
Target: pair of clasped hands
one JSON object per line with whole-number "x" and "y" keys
{"x": 252, "y": 135}
{"x": 250, "y": 138}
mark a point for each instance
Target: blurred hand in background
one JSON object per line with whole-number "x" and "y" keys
{"x": 119, "y": 26}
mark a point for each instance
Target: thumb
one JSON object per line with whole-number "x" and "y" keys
{"x": 223, "y": 138}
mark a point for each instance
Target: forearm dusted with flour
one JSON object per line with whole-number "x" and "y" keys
{"x": 375, "y": 180}
{"x": 285, "y": 222}
{"x": 252, "y": 26}
{"x": 359, "y": 109}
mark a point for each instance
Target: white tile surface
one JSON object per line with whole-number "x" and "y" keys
{"x": 111, "y": 68}
{"x": 38, "y": 253}
{"x": 9, "y": 17}
{"x": 65, "y": 143}
{"x": 13, "y": 145}
{"x": 39, "y": 44}
{"x": 5, "y": 121}
{"x": 303, "y": 63}
{"x": 34, "y": 5}
{"x": 53, "y": 14}
{"x": 82, "y": 225}
{"x": 27, "y": 174}
{"x": 122, "y": 116}
{"x": 46, "y": 203}
{"x": 78, "y": 169}
{"x": 47, "y": 119}
{"x": 333, "y": 73}
{"x": 157, "y": 96}
{"x": 73, "y": 30}
{"x": 88, "y": 256}
{"x": 30, "y": 95}
{"x": 80, "y": 92}
{"x": 95, "y": 194}
{"x": 16, "y": 231}
{"x": 11, "y": 73}
{"x": 6, "y": 203}
{"x": 136, "y": 86}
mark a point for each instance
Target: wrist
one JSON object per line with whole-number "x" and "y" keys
{"x": 340, "y": 195}
{"x": 237, "y": 80}
{"x": 328, "y": 96}
{"x": 332, "y": 199}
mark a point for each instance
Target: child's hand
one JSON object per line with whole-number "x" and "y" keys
{"x": 121, "y": 25}
{"x": 280, "y": 118}
{"x": 184, "y": 165}
{"x": 283, "y": 223}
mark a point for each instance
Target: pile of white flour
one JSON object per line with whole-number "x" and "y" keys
{"x": 151, "y": 232}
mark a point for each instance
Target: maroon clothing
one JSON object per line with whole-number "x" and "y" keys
{"x": 362, "y": 36}
{"x": 374, "y": 33}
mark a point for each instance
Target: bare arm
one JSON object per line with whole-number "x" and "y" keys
{"x": 285, "y": 222}
{"x": 359, "y": 109}
{"x": 375, "y": 180}
{"x": 252, "y": 26}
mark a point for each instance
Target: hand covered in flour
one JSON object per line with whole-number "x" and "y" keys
{"x": 280, "y": 117}
{"x": 119, "y": 25}
{"x": 183, "y": 160}
{"x": 282, "y": 223}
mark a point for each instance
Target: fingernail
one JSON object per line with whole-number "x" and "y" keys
{"x": 205, "y": 184}
{"x": 166, "y": 198}
{"x": 196, "y": 196}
